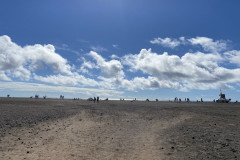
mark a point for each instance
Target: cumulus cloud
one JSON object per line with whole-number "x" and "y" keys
{"x": 233, "y": 57}
{"x": 209, "y": 44}
{"x": 191, "y": 70}
{"x": 20, "y": 61}
{"x": 197, "y": 70}
{"x": 86, "y": 65}
{"x": 114, "y": 56}
{"x": 148, "y": 83}
{"x": 166, "y": 42}
{"x": 22, "y": 73}
{"x": 109, "y": 69}
{"x": 4, "y": 77}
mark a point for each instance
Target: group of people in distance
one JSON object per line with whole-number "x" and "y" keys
{"x": 180, "y": 100}
{"x": 94, "y": 99}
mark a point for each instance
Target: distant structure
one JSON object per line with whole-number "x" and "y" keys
{"x": 222, "y": 98}
{"x": 8, "y": 96}
{"x": 36, "y": 96}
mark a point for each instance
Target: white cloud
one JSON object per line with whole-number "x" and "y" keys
{"x": 193, "y": 70}
{"x": 115, "y": 46}
{"x": 109, "y": 69}
{"x": 86, "y": 65}
{"x": 3, "y": 76}
{"x": 22, "y": 73}
{"x": 46, "y": 54}
{"x": 113, "y": 56}
{"x": 233, "y": 57}
{"x": 98, "y": 49}
{"x": 20, "y": 61}
{"x": 73, "y": 80}
{"x": 206, "y": 43}
{"x": 209, "y": 44}
{"x": 166, "y": 42}
{"x": 148, "y": 83}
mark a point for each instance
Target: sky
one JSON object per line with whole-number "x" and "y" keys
{"x": 155, "y": 49}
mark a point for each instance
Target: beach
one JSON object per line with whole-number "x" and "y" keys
{"x": 80, "y": 129}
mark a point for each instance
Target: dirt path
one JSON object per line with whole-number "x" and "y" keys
{"x": 89, "y": 135}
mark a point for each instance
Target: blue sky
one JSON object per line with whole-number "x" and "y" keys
{"x": 120, "y": 49}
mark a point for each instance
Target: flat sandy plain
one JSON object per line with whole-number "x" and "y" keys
{"x": 78, "y": 129}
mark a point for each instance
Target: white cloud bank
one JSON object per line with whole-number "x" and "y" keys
{"x": 197, "y": 70}
{"x": 191, "y": 71}
{"x": 208, "y": 44}
{"x": 23, "y": 62}
{"x": 35, "y": 87}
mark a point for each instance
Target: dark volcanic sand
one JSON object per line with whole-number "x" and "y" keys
{"x": 68, "y": 129}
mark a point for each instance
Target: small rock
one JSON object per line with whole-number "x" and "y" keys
{"x": 233, "y": 150}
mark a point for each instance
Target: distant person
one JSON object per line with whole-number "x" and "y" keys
{"x": 180, "y": 100}
{"x": 175, "y": 99}
{"x": 214, "y": 100}
{"x": 97, "y": 99}
{"x": 201, "y": 100}
{"x": 94, "y": 99}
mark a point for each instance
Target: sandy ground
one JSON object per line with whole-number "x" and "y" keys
{"x": 68, "y": 129}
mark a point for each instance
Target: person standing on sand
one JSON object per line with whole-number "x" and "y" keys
{"x": 94, "y": 99}
{"x": 97, "y": 99}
